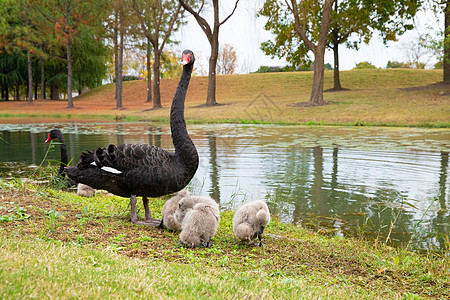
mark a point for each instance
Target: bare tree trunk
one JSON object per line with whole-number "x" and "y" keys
{"x": 42, "y": 96}
{"x": 30, "y": 78}
{"x": 54, "y": 92}
{"x": 319, "y": 49}
{"x": 69, "y": 59}
{"x": 337, "y": 80}
{"x": 7, "y": 92}
{"x": 156, "y": 76}
{"x": 319, "y": 70}
{"x": 447, "y": 43}
{"x": 69, "y": 76}
{"x": 149, "y": 72}
{"x": 116, "y": 53}
{"x": 17, "y": 92}
{"x": 211, "y": 96}
{"x": 213, "y": 37}
{"x": 119, "y": 73}
{"x": 35, "y": 84}
{"x": 335, "y": 33}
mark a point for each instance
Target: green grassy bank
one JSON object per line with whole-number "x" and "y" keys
{"x": 54, "y": 244}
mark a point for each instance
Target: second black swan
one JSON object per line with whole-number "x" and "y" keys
{"x": 82, "y": 189}
{"x": 132, "y": 170}
{"x": 57, "y": 134}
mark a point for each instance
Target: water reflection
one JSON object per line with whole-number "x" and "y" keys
{"x": 214, "y": 190}
{"x": 329, "y": 179}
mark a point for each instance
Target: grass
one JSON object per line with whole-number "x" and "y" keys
{"x": 395, "y": 97}
{"x": 56, "y": 244}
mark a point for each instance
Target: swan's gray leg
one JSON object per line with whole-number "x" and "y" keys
{"x": 149, "y": 221}
{"x": 148, "y": 215}
{"x": 133, "y": 214}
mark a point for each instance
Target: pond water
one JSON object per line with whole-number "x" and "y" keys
{"x": 371, "y": 182}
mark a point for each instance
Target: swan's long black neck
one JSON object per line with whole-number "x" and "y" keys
{"x": 184, "y": 147}
{"x": 64, "y": 157}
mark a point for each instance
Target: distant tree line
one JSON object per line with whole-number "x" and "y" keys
{"x": 289, "y": 68}
{"x": 49, "y": 47}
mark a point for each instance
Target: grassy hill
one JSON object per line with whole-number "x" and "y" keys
{"x": 395, "y": 97}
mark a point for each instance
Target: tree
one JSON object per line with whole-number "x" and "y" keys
{"x": 364, "y": 65}
{"x": 444, "y": 6}
{"x": 117, "y": 28}
{"x": 170, "y": 64}
{"x": 349, "y": 18}
{"x": 312, "y": 26}
{"x": 12, "y": 73}
{"x": 64, "y": 17}
{"x": 18, "y": 35}
{"x": 396, "y": 64}
{"x": 212, "y": 34}
{"x": 158, "y": 20}
{"x": 227, "y": 61}
{"x": 447, "y": 42}
{"x": 89, "y": 59}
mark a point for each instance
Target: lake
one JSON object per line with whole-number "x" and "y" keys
{"x": 385, "y": 183}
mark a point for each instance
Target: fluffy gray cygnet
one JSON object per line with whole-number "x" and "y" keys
{"x": 200, "y": 225}
{"x": 168, "y": 211}
{"x": 250, "y": 220}
{"x": 85, "y": 190}
{"x": 187, "y": 203}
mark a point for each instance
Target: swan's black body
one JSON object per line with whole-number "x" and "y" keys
{"x": 144, "y": 170}
{"x": 57, "y": 134}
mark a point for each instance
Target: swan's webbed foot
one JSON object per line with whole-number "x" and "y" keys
{"x": 150, "y": 222}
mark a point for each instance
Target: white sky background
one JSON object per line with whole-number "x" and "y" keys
{"x": 245, "y": 32}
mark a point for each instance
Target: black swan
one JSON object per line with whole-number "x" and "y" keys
{"x": 132, "y": 170}
{"x": 57, "y": 134}
{"x": 82, "y": 189}
{"x": 250, "y": 220}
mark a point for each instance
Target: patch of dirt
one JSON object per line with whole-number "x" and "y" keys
{"x": 310, "y": 104}
{"x": 442, "y": 88}
{"x": 336, "y": 90}
{"x": 215, "y": 105}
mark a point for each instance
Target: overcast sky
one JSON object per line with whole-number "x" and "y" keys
{"x": 245, "y": 32}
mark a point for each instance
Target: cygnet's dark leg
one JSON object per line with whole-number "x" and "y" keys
{"x": 260, "y": 232}
{"x": 161, "y": 224}
{"x": 206, "y": 244}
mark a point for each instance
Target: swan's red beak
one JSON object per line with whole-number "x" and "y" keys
{"x": 48, "y": 138}
{"x": 185, "y": 59}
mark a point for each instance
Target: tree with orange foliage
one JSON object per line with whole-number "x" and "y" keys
{"x": 227, "y": 62}
{"x": 62, "y": 19}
